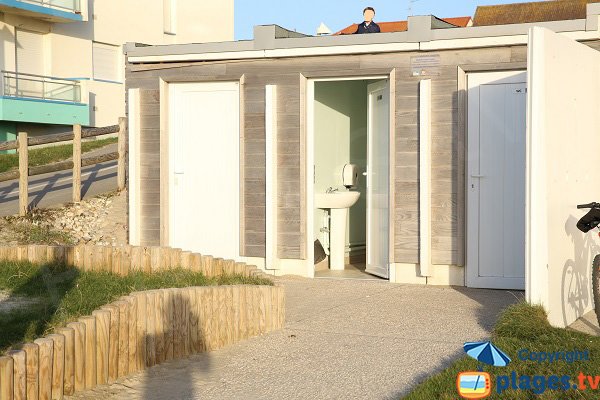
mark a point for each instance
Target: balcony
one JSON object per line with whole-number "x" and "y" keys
{"x": 42, "y": 99}
{"x": 47, "y": 10}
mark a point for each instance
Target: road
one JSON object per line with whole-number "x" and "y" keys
{"x": 55, "y": 188}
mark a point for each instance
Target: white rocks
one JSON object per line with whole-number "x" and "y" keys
{"x": 100, "y": 220}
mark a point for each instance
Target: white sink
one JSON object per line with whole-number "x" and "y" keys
{"x": 338, "y": 204}
{"x": 336, "y": 199}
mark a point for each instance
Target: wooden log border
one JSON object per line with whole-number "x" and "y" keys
{"x": 139, "y": 330}
{"x": 100, "y": 348}
{"x": 123, "y": 260}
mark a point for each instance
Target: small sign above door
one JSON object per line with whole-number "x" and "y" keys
{"x": 428, "y": 65}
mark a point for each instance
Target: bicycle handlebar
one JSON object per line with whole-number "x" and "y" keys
{"x": 589, "y": 205}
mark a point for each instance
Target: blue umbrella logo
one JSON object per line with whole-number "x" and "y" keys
{"x": 487, "y": 353}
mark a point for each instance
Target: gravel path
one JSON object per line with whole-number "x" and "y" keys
{"x": 345, "y": 339}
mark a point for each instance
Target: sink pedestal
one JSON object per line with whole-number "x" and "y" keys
{"x": 338, "y": 204}
{"x": 337, "y": 238}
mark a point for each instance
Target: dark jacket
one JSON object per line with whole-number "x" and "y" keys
{"x": 371, "y": 28}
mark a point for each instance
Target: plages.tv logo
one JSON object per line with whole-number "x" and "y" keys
{"x": 478, "y": 384}
{"x": 474, "y": 385}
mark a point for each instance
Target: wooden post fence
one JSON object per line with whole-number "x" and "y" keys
{"x": 23, "y": 174}
{"x": 122, "y": 146}
{"x": 76, "y": 163}
{"x": 25, "y": 171}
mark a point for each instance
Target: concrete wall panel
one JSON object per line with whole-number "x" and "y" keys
{"x": 563, "y": 142}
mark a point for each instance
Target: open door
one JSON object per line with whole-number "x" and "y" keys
{"x": 378, "y": 179}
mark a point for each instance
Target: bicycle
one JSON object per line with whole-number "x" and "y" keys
{"x": 585, "y": 224}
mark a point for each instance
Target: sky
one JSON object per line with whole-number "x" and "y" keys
{"x": 306, "y": 15}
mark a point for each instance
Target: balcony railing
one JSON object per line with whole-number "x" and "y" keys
{"x": 63, "y": 5}
{"x": 16, "y": 84}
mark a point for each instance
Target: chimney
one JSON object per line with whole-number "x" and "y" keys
{"x": 323, "y": 30}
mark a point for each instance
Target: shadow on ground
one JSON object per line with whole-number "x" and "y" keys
{"x": 170, "y": 345}
{"x": 27, "y": 312}
{"x": 491, "y": 305}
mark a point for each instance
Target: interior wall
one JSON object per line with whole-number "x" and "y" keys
{"x": 341, "y": 138}
{"x": 563, "y": 142}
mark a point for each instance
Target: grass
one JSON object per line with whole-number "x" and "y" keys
{"x": 522, "y": 326}
{"x": 35, "y": 234}
{"x": 66, "y": 293}
{"x": 50, "y": 154}
{"x": 34, "y": 228}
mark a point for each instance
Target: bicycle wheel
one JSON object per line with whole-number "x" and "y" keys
{"x": 596, "y": 285}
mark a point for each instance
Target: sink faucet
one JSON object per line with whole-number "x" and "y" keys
{"x": 331, "y": 190}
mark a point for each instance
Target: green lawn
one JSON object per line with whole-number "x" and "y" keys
{"x": 47, "y": 155}
{"x": 523, "y": 326}
{"x": 65, "y": 294}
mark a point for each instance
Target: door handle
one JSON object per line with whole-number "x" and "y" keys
{"x": 364, "y": 174}
{"x": 477, "y": 176}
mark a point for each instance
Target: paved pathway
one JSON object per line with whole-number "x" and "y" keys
{"x": 344, "y": 339}
{"x": 587, "y": 324}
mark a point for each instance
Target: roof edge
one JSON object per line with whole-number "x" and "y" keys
{"x": 421, "y": 29}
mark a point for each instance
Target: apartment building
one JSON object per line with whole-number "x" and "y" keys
{"x": 62, "y": 61}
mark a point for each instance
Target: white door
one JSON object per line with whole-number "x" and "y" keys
{"x": 204, "y": 168}
{"x": 497, "y": 104}
{"x": 378, "y": 179}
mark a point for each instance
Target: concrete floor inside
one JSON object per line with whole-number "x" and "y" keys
{"x": 355, "y": 270}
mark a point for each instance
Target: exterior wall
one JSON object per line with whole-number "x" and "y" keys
{"x": 149, "y": 148}
{"x": 448, "y": 146}
{"x": 206, "y": 19}
{"x": 197, "y": 21}
{"x": 40, "y": 111}
{"x": 7, "y": 57}
{"x": 69, "y": 45}
{"x": 564, "y": 101}
{"x": 108, "y": 99}
{"x": 7, "y": 33}
{"x": 8, "y": 131}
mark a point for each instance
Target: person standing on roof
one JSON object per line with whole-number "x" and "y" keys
{"x": 368, "y": 26}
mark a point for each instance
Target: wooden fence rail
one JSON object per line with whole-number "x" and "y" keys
{"x": 136, "y": 332}
{"x": 25, "y": 171}
{"x": 60, "y": 137}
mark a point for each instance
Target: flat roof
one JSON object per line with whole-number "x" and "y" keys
{"x": 424, "y": 33}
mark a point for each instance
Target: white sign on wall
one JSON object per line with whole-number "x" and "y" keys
{"x": 428, "y": 65}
